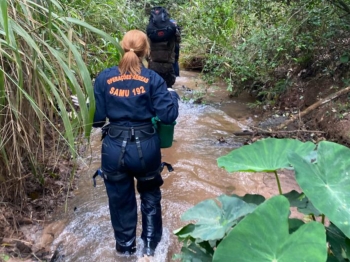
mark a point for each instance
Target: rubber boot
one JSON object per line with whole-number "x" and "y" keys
{"x": 126, "y": 250}
{"x": 151, "y": 220}
{"x": 149, "y": 248}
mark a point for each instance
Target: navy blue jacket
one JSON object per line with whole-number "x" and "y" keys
{"x": 132, "y": 100}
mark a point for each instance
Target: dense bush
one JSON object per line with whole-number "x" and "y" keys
{"x": 256, "y": 45}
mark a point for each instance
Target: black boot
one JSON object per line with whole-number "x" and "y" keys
{"x": 149, "y": 248}
{"x": 126, "y": 250}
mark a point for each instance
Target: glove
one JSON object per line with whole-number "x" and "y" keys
{"x": 76, "y": 101}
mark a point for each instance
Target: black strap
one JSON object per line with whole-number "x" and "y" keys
{"x": 139, "y": 149}
{"x": 119, "y": 132}
{"x": 169, "y": 167}
{"x": 97, "y": 173}
{"x": 115, "y": 177}
{"x": 118, "y": 176}
{"x": 121, "y": 157}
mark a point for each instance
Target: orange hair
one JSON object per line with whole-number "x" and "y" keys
{"x": 136, "y": 46}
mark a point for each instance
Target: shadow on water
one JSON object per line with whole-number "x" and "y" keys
{"x": 202, "y": 134}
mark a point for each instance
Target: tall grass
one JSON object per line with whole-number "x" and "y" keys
{"x": 41, "y": 65}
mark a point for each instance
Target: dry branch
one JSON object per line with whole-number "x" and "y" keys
{"x": 251, "y": 133}
{"x": 314, "y": 106}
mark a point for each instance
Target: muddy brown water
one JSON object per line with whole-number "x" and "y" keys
{"x": 202, "y": 134}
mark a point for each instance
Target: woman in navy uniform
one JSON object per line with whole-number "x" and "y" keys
{"x": 129, "y": 96}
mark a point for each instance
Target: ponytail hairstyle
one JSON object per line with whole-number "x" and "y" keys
{"x": 136, "y": 46}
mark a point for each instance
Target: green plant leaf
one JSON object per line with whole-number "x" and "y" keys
{"x": 95, "y": 30}
{"x": 4, "y": 18}
{"x": 184, "y": 232}
{"x": 266, "y": 155}
{"x": 344, "y": 58}
{"x": 214, "y": 221}
{"x": 252, "y": 198}
{"x": 294, "y": 224}
{"x": 4, "y": 257}
{"x": 193, "y": 253}
{"x": 302, "y": 203}
{"x": 338, "y": 242}
{"x": 327, "y": 183}
{"x": 264, "y": 235}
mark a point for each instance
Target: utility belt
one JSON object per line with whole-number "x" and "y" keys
{"x": 128, "y": 133}
{"x": 117, "y": 176}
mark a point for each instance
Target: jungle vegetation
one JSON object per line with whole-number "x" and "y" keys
{"x": 51, "y": 49}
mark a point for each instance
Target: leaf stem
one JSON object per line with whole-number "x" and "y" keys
{"x": 278, "y": 182}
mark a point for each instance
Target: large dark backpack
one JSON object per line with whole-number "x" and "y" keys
{"x": 159, "y": 28}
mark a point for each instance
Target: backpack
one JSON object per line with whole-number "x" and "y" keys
{"x": 159, "y": 28}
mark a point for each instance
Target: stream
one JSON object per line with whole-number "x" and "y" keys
{"x": 203, "y": 133}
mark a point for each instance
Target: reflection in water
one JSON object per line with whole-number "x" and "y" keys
{"x": 196, "y": 177}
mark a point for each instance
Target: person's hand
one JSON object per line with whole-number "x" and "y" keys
{"x": 76, "y": 101}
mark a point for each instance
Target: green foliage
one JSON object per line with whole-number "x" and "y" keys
{"x": 264, "y": 236}
{"x": 248, "y": 42}
{"x": 42, "y": 64}
{"x": 265, "y": 155}
{"x": 4, "y": 257}
{"x": 327, "y": 182}
{"x": 215, "y": 218}
{"x": 115, "y": 17}
{"x": 267, "y": 233}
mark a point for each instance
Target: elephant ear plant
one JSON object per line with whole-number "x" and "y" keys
{"x": 267, "y": 233}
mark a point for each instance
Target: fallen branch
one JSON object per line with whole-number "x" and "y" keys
{"x": 250, "y": 133}
{"x": 314, "y": 106}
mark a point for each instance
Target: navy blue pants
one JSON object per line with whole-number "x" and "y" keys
{"x": 121, "y": 193}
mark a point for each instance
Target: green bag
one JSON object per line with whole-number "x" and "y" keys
{"x": 165, "y": 132}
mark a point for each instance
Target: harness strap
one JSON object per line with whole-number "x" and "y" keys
{"x": 97, "y": 173}
{"x": 115, "y": 177}
{"x": 118, "y": 176}
{"x": 119, "y": 132}
{"x": 169, "y": 167}
{"x": 121, "y": 157}
{"x": 138, "y": 145}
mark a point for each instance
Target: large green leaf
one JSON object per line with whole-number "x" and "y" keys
{"x": 252, "y": 198}
{"x": 327, "y": 182}
{"x": 264, "y": 235}
{"x": 214, "y": 221}
{"x": 338, "y": 242}
{"x": 193, "y": 253}
{"x": 266, "y": 155}
{"x": 184, "y": 232}
{"x": 301, "y": 201}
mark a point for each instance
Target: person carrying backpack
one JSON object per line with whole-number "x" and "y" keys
{"x": 177, "y": 51}
{"x": 163, "y": 36}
